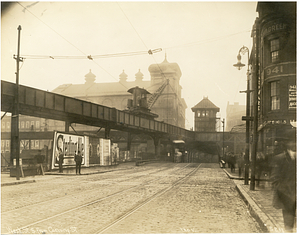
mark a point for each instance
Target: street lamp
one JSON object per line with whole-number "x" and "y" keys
{"x": 246, "y": 118}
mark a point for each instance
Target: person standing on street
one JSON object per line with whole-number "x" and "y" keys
{"x": 78, "y": 160}
{"x": 284, "y": 179}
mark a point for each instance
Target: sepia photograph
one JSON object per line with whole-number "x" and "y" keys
{"x": 148, "y": 117}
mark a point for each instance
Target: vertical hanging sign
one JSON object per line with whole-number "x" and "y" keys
{"x": 292, "y": 96}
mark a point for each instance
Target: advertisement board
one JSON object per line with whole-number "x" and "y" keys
{"x": 65, "y": 145}
{"x": 104, "y": 152}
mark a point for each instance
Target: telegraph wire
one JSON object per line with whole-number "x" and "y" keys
{"x": 87, "y": 56}
{"x": 92, "y": 57}
{"x": 51, "y": 28}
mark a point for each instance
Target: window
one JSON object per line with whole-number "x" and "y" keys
{"x": 8, "y": 125}
{"x": 32, "y": 144}
{"x": 274, "y": 50}
{"x": 3, "y": 125}
{"x": 275, "y": 98}
{"x": 37, "y": 124}
{"x": 27, "y": 124}
{"x": 7, "y": 143}
{"x": 22, "y": 125}
{"x": 199, "y": 113}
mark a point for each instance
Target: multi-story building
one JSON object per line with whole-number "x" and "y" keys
{"x": 205, "y": 115}
{"x": 273, "y": 60}
{"x": 234, "y": 113}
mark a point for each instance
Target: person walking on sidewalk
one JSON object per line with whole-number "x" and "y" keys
{"x": 284, "y": 180}
{"x": 78, "y": 160}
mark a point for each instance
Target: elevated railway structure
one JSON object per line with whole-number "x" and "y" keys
{"x": 49, "y": 105}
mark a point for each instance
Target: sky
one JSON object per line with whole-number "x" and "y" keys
{"x": 203, "y": 38}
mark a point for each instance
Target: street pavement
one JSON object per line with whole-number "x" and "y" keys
{"x": 259, "y": 201}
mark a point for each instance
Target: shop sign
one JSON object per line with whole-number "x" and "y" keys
{"x": 273, "y": 28}
{"x": 292, "y": 97}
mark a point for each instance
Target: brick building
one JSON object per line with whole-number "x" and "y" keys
{"x": 273, "y": 60}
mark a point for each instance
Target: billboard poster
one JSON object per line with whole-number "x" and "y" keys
{"x": 103, "y": 152}
{"x": 67, "y": 144}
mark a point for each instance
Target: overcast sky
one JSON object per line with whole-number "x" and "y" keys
{"x": 203, "y": 38}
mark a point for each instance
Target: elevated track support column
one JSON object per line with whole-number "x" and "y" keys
{"x": 106, "y": 132}
{"x": 156, "y": 140}
{"x": 129, "y": 139}
{"x": 67, "y": 126}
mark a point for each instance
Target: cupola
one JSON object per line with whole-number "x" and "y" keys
{"x": 90, "y": 78}
{"x": 123, "y": 76}
{"x": 139, "y": 76}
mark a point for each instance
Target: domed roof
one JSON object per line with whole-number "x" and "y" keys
{"x": 165, "y": 66}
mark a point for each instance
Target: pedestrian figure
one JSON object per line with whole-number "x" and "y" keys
{"x": 241, "y": 163}
{"x": 284, "y": 180}
{"x": 78, "y": 160}
{"x": 232, "y": 163}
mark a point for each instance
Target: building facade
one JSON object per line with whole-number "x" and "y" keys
{"x": 205, "y": 116}
{"x": 273, "y": 60}
{"x": 234, "y": 113}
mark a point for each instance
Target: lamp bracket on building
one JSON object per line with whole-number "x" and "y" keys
{"x": 246, "y": 91}
{"x": 245, "y": 118}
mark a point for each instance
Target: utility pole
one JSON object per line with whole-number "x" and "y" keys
{"x": 223, "y": 135}
{"x": 15, "y": 141}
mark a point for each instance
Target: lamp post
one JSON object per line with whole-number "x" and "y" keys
{"x": 246, "y": 118}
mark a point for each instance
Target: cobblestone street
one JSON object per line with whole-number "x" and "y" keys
{"x": 154, "y": 198}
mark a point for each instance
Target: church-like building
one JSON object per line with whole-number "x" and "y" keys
{"x": 163, "y": 98}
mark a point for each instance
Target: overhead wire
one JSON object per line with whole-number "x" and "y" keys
{"x": 88, "y": 56}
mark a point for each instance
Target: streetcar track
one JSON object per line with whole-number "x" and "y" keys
{"x": 148, "y": 200}
{"x": 87, "y": 191}
{"x": 92, "y": 202}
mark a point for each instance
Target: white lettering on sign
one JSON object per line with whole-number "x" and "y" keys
{"x": 292, "y": 96}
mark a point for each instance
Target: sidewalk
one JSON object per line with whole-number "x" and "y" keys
{"x": 259, "y": 202}
{"x": 6, "y": 180}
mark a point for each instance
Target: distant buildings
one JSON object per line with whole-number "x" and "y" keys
{"x": 234, "y": 113}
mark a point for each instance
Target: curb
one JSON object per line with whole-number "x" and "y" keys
{"x": 18, "y": 182}
{"x": 263, "y": 220}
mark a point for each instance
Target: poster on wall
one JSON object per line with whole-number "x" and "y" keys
{"x": 65, "y": 145}
{"x": 104, "y": 152}
{"x": 292, "y": 97}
